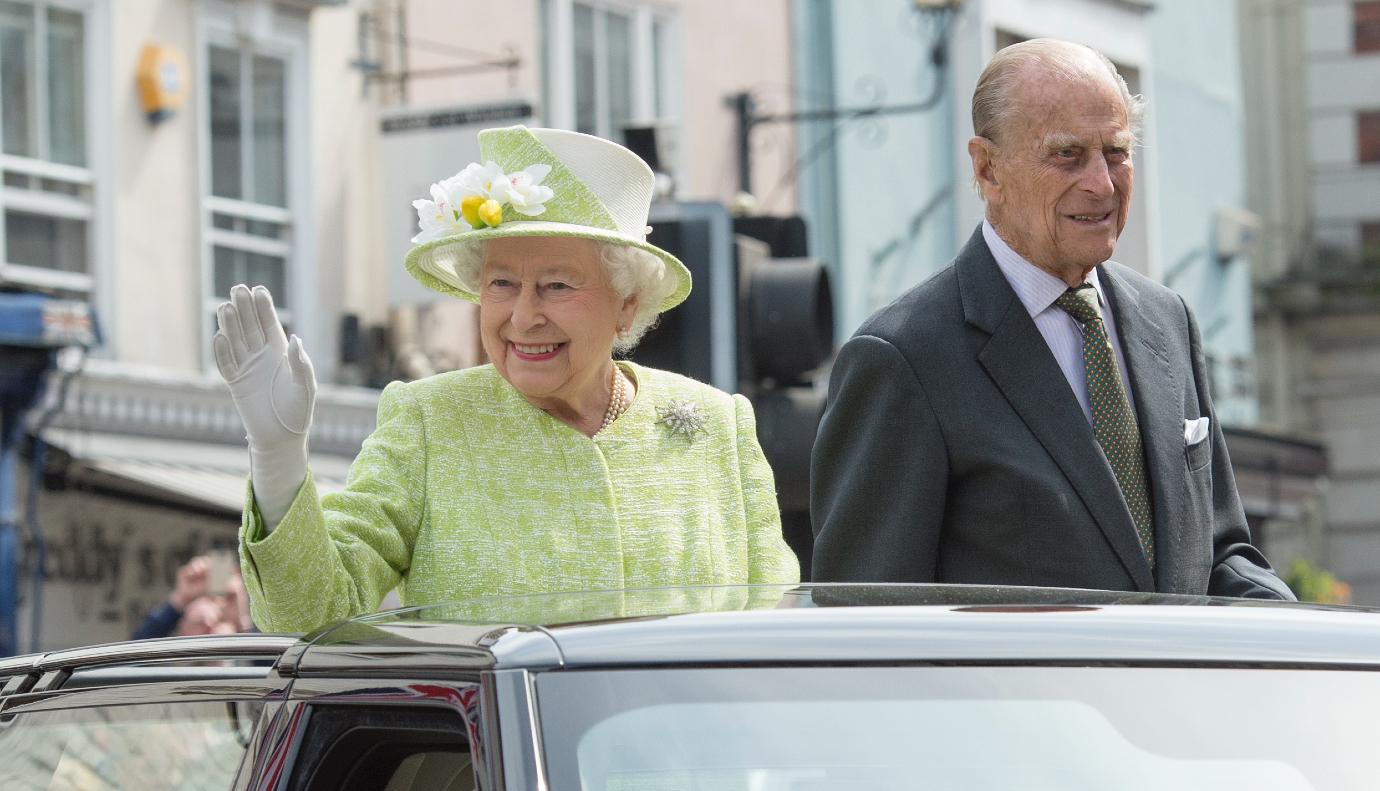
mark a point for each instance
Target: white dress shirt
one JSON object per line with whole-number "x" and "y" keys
{"x": 1037, "y": 290}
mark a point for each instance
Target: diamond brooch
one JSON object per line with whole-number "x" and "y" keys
{"x": 681, "y": 417}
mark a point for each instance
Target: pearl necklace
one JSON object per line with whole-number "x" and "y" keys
{"x": 615, "y": 400}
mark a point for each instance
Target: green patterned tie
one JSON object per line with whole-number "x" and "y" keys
{"x": 1114, "y": 422}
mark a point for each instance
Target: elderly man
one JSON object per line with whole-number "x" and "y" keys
{"x": 1035, "y": 414}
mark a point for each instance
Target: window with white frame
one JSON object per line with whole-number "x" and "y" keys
{"x": 46, "y": 195}
{"x": 609, "y": 63}
{"x": 254, "y": 172}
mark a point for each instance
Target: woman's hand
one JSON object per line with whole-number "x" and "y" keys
{"x": 270, "y": 377}
{"x": 274, "y": 388}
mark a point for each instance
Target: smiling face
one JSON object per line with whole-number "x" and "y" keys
{"x": 1058, "y": 181}
{"x": 548, "y": 319}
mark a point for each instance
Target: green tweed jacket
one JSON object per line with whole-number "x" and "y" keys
{"x": 465, "y": 489}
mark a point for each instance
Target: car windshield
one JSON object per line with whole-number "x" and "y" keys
{"x": 949, "y": 728}
{"x": 182, "y": 746}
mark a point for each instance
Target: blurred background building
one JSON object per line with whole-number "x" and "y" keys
{"x": 157, "y": 152}
{"x": 1312, "y": 77}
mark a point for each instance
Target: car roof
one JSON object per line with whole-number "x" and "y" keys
{"x": 745, "y": 625}
{"x": 172, "y": 659}
{"x": 822, "y": 623}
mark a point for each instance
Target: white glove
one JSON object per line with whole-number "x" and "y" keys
{"x": 274, "y": 388}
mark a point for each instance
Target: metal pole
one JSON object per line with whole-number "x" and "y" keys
{"x": 10, "y": 421}
{"x": 742, "y": 106}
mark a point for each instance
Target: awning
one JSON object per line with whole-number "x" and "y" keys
{"x": 199, "y": 475}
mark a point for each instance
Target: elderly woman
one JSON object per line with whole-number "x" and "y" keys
{"x": 553, "y": 468}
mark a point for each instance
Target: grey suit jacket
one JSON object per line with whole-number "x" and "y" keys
{"x": 952, "y": 449}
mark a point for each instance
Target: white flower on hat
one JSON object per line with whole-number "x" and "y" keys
{"x": 479, "y": 180}
{"x": 475, "y": 197}
{"x": 523, "y": 190}
{"x": 439, "y": 217}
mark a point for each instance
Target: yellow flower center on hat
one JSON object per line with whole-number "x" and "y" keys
{"x": 491, "y": 212}
{"x": 469, "y": 209}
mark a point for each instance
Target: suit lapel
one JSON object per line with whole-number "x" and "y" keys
{"x": 1022, "y": 366}
{"x": 1159, "y": 401}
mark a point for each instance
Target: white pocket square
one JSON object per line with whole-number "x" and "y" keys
{"x": 1195, "y": 431}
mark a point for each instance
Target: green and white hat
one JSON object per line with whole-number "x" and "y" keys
{"x": 537, "y": 182}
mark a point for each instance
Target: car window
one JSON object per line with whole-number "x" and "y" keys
{"x": 156, "y": 746}
{"x": 441, "y": 771}
{"x": 375, "y": 748}
{"x": 1039, "y": 729}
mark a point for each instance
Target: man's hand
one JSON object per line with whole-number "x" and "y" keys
{"x": 274, "y": 388}
{"x": 192, "y": 580}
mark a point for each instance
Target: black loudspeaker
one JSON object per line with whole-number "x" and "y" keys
{"x": 791, "y": 318}
{"x": 785, "y": 236}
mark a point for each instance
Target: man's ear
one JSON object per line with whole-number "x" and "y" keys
{"x": 983, "y": 154}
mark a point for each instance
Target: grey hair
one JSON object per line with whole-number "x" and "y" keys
{"x": 993, "y": 99}
{"x": 631, "y": 271}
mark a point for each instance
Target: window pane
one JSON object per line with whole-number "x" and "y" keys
{"x": 268, "y": 230}
{"x": 226, "y": 146}
{"x": 228, "y": 269}
{"x": 253, "y": 269}
{"x": 61, "y": 187}
{"x": 619, "y": 34}
{"x": 270, "y": 131}
{"x": 585, "y": 114}
{"x": 194, "y": 746}
{"x": 66, "y": 87}
{"x": 16, "y": 76}
{"x": 47, "y": 242}
{"x": 267, "y": 270}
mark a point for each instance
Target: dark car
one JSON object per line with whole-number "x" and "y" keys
{"x": 754, "y": 688}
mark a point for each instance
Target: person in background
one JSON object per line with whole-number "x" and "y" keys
{"x": 198, "y": 604}
{"x": 552, "y": 468}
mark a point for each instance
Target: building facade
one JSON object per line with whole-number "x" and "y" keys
{"x": 1312, "y": 77}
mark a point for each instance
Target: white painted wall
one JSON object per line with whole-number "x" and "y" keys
{"x": 156, "y": 255}
{"x": 1332, "y": 139}
{"x": 725, "y": 47}
{"x": 485, "y": 27}
{"x": 1336, "y": 83}
{"x": 346, "y": 214}
{"x": 1327, "y": 27}
{"x": 728, "y": 47}
{"x": 1347, "y": 194}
